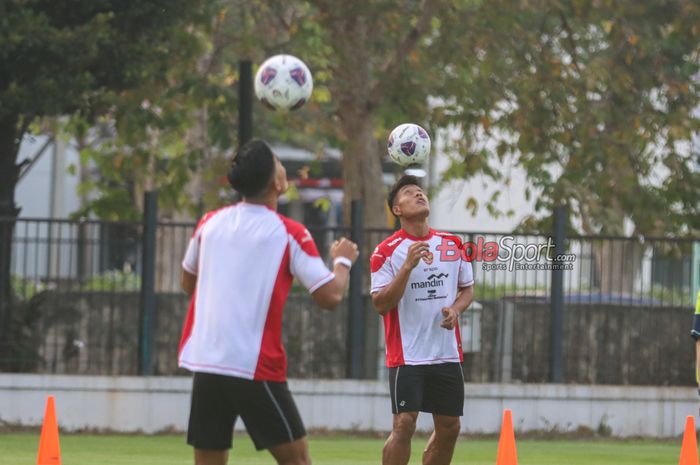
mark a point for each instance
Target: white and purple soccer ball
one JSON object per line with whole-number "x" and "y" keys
{"x": 408, "y": 144}
{"x": 283, "y": 82}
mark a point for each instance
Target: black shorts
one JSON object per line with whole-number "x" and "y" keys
{"x": 437, "y": 389}
{"x": 267, "y": 409}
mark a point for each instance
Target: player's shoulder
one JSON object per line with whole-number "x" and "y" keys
{"x": 384, "y": 250}
{"x": 291, "y": 225}
{"x": 208, "y": 216}
{"x": 388, "y": 245}
{"x": 298, "y": 234}
{"x": 294, "y": 228}
{"x": 449, "y": 236}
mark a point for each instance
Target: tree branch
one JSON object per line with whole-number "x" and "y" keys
{"x": 570, "y": 39}
{"x": 22, "y": 128}
{"x": 390, "y": 70}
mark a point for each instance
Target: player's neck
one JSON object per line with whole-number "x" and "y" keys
{"x": 269, "y": 201}
{"x": 417, "y": 228}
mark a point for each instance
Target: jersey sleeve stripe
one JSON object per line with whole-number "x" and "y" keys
{"x": 187, "y": 268}
{"x": 272, "y": 359}
{"x": 187, "y": 327}
{"x": 377, "y": 288}
{"x": 330, "y": 277}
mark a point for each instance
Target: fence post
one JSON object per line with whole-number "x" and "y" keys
{"x": 556, "y": 356}
{"x": 356, "y": 313}
{"x": 148, "y": 272}
{"x": 245, "y": 102}
{"x": 8, "y": 218}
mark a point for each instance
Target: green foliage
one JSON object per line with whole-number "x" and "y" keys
{"x": 57, "y": 58}
{"x": 23, "y": 288}
{"x": 592, "y": 99}
{"x": 90, "y": 59}
{"x": 113, "y": 281}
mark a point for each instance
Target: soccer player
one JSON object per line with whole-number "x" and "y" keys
{"x": 238, "y": 267}
{"x": 695, "y": 333}
{"x": 421, "y": 284}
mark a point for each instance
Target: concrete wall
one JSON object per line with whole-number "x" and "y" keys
{"x": 154, "y": 404}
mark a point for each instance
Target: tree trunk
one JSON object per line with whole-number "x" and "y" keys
{"x": 351, "y": 89}
{"x": 362, "y": 171}
{"x": 9, "y": 174}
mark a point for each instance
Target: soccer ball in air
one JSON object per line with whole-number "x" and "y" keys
{"x": 283, "y": 82}
{"x": 408, "y": 144}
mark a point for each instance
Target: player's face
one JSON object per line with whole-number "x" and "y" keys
{"x": 411, "y": 201}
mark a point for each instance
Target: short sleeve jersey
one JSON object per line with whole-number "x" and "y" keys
{"x": 412, "y": 329}
{"x": 245, "y": 257}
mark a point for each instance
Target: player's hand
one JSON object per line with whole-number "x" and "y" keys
{"x": 416, "y": 251}
{"x": 451, "y": 318}
{"x": 344, "y": 248}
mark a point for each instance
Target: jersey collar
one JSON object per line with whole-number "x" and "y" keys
{"x": 430, "y": 234}
{"x": 257, "y": 206}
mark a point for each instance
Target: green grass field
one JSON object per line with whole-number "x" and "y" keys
{"x": 79, "y": 449}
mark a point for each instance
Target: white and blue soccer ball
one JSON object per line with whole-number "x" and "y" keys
{"x": 283, "y": 82}
{"x": 408, "y": 144}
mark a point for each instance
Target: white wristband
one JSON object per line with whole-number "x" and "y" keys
{"x": 345, "y": 261}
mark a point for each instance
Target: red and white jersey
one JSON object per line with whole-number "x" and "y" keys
{"x": 412, "y": 329}
{"x": 245, "y": 257}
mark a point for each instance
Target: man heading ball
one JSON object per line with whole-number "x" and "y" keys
{"x": 420, "y": 286}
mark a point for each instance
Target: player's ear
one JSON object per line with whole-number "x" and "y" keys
{"x": 278, "y": 178}
{"x": 396, "y": 210}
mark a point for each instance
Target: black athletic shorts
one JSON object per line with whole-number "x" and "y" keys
{"x": 437, "y": 389}
{"x": 267, "y": 409}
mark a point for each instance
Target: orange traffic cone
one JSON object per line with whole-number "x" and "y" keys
{"x": 506, "y": 443}
{"x": 689, "y": 447}
{"x": 49, "y": 449}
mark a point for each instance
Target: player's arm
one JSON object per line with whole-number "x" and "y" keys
{"x": 388, "y": 297}
{"x": 697, "y": 363}
{"x": 190, "y": 262}
{"x": 344, "y": 253}
{"x": 188, "y": 281}
{"x": 464, "y": 299}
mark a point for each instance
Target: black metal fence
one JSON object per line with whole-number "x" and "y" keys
{"x": 77, "y": 307}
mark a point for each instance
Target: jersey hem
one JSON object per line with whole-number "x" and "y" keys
{"x": 219, "y": 370}
{"x": 434, "y": 361}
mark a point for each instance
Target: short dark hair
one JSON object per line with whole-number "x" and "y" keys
{"x": 252, "y": 168}
{"x": 405, "y": 180}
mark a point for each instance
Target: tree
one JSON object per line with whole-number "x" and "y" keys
{"x": 368, "y": 62}
{"x": 592, "y": 99}
{"x": 59, "y": 59}
{"x": 357, "y": 51}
